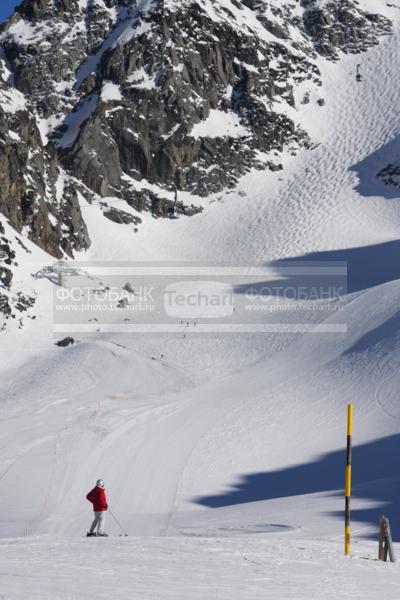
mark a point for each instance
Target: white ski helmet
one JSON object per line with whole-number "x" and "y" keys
{"x": 100, "y": 483}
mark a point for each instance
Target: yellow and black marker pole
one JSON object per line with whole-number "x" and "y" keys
{"x": 348, "y": 479}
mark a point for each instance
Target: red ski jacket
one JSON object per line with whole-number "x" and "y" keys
{"x": 98, "y": 498}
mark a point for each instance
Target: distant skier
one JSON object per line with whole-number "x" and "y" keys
{"x": 97, "y": 496}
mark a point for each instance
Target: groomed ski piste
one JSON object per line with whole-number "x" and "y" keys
{"x": 223, "y": 455}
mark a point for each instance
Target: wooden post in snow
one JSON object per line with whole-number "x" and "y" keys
{"x": 381, "y": 551}
{"x": 386, "y": 548}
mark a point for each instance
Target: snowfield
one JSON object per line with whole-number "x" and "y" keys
{"x": 175, "y": 569}
{"x": 223, "y": 454}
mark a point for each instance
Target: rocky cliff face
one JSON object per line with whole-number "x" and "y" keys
{"x": 342, "y": 26}
{"x": 13, "y": 304}
{"x": 118, "y": 98}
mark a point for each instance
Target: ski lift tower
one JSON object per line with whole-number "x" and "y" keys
{"x": 61, "y": 269}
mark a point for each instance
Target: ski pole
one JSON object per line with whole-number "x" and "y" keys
{"x": 117, "y": 522}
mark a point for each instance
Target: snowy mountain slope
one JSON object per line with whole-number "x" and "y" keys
{"x": 326, "y": 198}
{"x": 109, "y": 393}
{"x": 223, "y": 458}
{"x": 320, "y": 202}
{"x": 231, "y": 445}
{"x": 110, "y": 103}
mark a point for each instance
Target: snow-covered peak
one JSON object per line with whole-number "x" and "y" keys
{"x": 132, "y": 100}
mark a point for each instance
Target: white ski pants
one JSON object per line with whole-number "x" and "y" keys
{"x": 98, "y": 522}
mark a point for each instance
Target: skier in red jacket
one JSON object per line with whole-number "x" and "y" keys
{"x": 97, "y": 496}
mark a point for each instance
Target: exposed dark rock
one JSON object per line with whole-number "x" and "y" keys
{"x": 390, "y": 175}
{"x": 7, "y": 257}
{"x": 123, "y": 303}
{"x": 67, "y": 341}
{"x": 22, "y": 302}
{"x": 5, "y": 311}
{"x": 120, "y": 216}
{"x": 28, "y": 197}
{"x": 275, "y": 167}
{"x": 342, "y": 26}
{"x": 11, "y": 305}
{"x": 128, "y": 288}
{"x": 5, "y": 277}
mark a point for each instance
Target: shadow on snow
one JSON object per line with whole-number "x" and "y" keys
{"x": 374, "y": 479}
{"x": 367, "y": 266}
